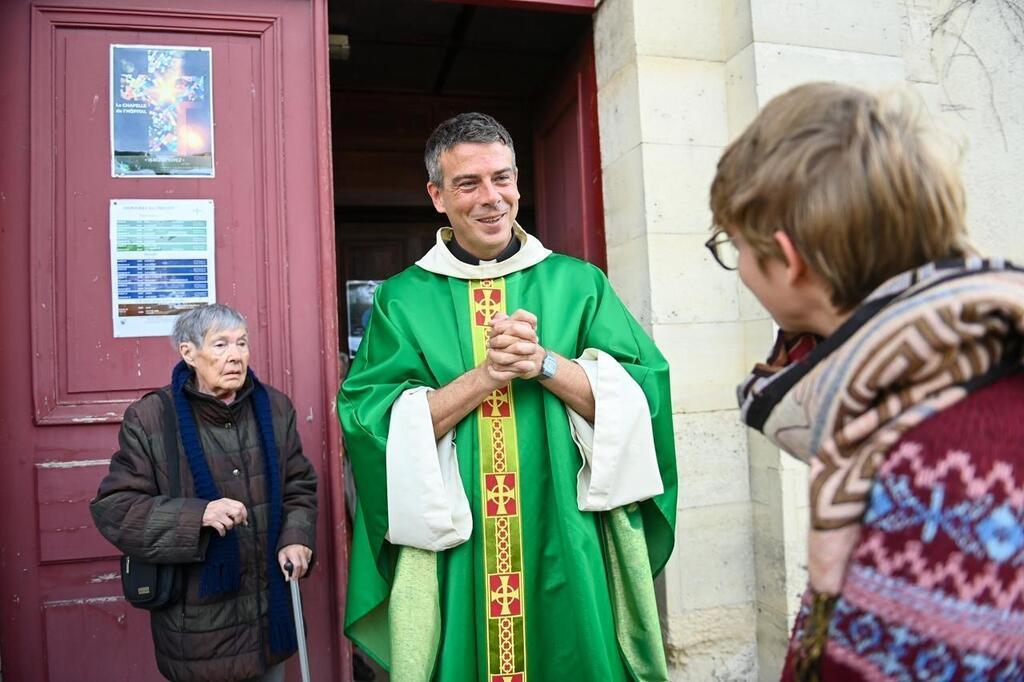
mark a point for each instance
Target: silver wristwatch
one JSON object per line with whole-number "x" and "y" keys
{"x": 548, "y": 367}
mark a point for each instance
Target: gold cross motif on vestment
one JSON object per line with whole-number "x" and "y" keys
{"x": 487, "y": 306}
{"x": 496, "y": 401}
{"x": 504, "y": 595}
{"x": 501, "y": 494}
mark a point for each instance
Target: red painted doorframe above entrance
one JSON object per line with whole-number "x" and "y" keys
{"x": 582, "y": 6}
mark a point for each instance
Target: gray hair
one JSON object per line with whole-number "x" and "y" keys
{"x": 468, "y": 127}
{"x": 193, "y": 326}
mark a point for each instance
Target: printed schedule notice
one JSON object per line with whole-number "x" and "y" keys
{"x": 162, "y": 262}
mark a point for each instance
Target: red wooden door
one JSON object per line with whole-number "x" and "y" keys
{"x": 570, "y": 208}
{"x": 68, "y": 379}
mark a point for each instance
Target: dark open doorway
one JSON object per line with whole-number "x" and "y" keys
{"x": 398, "y": 68}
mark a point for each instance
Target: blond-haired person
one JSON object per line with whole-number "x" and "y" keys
{"x": 897, "y": 377}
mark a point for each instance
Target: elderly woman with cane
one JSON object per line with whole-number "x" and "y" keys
{"x": 245, "y": 505}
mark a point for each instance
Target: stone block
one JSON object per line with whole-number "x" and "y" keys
{"x": 713, "y": 645}
{"x": 713, "y": 564}
{"x": 682, "y": 101}
{"x": 686, "y": 284}
{"x": 706, "y": 361}
{"x": 625, "y": 216}
{"x": 935, "y": 101}
{"x": 976, "y": 51}
{"x": 711, "y": 456}
{"x": 618, "y": 112}
{"x": 677, "y": 186}
{"x": 772, "y": 642}
{"x": 794, "y": 480}
{"x": 629, "y": 274}
{"x": 771, "y": 572}
{"x": 764, "y": 485}
{"x": 763, "y": 453}
{"x": 758, "y": 339}
{"x": 614, "y": 38}
{"x": 737, "y": 29}
{"x": 750, "y": 307}
{"x": 780, "y": 67}
{"x": 669, "y": 28}
{"x": 765, "y": 481}
{"x": 869, "y": 26}
{"x": 741, "y": 90}
{"x": 916, "y": 19}
{"x": 796, "y": 522}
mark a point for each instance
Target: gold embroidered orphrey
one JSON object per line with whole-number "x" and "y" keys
{"x": 502, "y": 525}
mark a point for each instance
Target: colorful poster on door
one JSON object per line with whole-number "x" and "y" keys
{"x": 161, "y": 111}
{"x": 359, "y": 295}
{"x": 161, "y": 262}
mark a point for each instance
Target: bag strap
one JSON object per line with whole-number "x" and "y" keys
{"x": 171, "y": 449}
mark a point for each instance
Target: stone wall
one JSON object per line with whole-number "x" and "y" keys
{"x": 677, "y": 81}
{"x": 967, "y": 59}
{"x": 663, "y": 114}
{"x": 794, "y": 42}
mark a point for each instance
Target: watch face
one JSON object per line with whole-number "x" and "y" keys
{"x": 548, "y": 366}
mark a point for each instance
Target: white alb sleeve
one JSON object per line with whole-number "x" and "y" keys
{"x": 620, "y": 463}
{"x": 427, "y": 505}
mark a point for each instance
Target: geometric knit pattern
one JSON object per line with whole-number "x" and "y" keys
{"x": 935, "y": 588}
{"x": 919, "y": 344}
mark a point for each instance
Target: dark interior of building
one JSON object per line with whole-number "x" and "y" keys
{"x": 400, "y": 67}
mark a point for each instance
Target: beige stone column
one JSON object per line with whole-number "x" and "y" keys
{"x": 792, "y": 42}
{"x": 664, "y": 123}
{"x": 677, "y": 81}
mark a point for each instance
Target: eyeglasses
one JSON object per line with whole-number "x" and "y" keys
{"x": 723, "y": 250}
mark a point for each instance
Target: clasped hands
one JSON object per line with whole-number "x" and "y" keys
{"x": 513, "y": 348}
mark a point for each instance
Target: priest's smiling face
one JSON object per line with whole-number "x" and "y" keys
{"x": 480, "y": 196}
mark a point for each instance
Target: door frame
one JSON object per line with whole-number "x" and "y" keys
{"x": 339, "y": 529}
{"x": 575, "y": 84}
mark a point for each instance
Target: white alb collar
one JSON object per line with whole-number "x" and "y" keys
{"x": 440, "y": 260}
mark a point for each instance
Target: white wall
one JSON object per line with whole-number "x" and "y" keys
{"x": 967, "y": 59}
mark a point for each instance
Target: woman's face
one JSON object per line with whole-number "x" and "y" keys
{"x": 220, "y": 363}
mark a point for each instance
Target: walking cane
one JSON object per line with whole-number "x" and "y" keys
{"x": 300, "y": 628}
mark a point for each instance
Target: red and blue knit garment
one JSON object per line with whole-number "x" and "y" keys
{"x": 935, "y": 588}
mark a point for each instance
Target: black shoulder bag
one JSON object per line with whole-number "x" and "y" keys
{"x": 149, "y": 585}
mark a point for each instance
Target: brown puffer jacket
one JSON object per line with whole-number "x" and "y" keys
{"x": 222, "y": 637}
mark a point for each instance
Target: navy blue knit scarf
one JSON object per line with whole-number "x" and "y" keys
{"x": 222, "y": 568}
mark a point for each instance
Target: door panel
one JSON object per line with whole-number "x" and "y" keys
{"x": 63, "y": 490}
{"x": 570, "y": 207}
{"x": 82, "y": 372}
{"x": 77, "y": 628}
{"x": 68, "y": 380}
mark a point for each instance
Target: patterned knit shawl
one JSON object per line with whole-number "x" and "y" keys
{"x": 919, "y": 343}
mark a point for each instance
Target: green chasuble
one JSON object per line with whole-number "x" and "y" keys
{"x": 541, "y": 591}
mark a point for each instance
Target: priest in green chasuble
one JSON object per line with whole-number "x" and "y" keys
{"x": 510, "y": 432}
